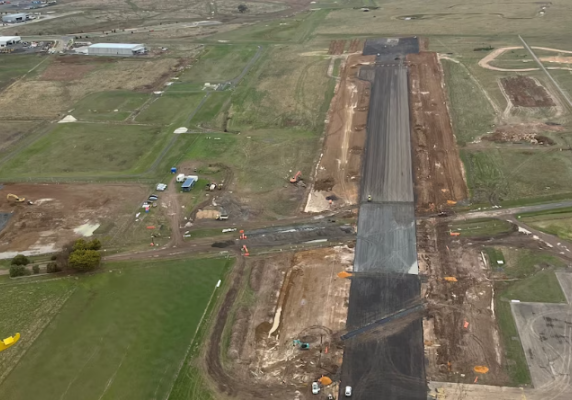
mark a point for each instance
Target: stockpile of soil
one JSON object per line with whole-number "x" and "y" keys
{"x": 527, "y": 92}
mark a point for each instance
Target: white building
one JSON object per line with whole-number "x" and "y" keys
{"x": 6, "y": 41}
{"x": 13, "y": 18}
{"x": 116, "y": 49}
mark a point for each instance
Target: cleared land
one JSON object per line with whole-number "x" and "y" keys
{"x": 284, "y": 298}
{"x": 121, "y": 334}
{"x": 339, "y": 169}
{"x": 59, "y": 209}
{"x": 439, "y": 173}
{"x": 525, "y": 92}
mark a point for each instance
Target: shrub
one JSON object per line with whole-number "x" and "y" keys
{"x": 18, "y": 270}
{"x": 52, "y": 267}
{"x": 20, "y": 259}
{"x": 36, "y": 269}
{"x": 84, "y": 260}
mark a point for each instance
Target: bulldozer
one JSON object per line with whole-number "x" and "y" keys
{"x": 16, "y": 198}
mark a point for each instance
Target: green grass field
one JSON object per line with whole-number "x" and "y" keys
{"x": 16, "y": 65}
{"x": 219, "y": 63}
{"x": 121, "y": 334}
{"x": 101, "y": 106}
{"x": 86, "y": 150}
{"x": 557, "y": 223}
{"x": 472, "y": 113}
{"x": 512, "y": 176}
{"x": 482, "y": 227}
{"x": 170, "y": 109}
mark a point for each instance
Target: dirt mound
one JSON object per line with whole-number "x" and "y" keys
{"x": 523, "y": 133}
{"x": 527, "y": 92}
{"x": 222, "y": 245}
{"x": 324, "y": 184}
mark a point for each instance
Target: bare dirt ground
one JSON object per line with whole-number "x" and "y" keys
{"x": 337, "y": 47}
{"x": 438, "y": 168}
{"x": 293, "y": 296}
{"x": 524, "y": 133}
{"x": 526, "y": 92}
{"x": 461, "y": 330}
{"x": 59, "y": 209}
{"x": 338, "y": 171}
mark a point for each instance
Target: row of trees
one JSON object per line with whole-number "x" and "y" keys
{"x": 80, "y": 256}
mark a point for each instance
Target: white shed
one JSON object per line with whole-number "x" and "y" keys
{"x": 116, "y": 49}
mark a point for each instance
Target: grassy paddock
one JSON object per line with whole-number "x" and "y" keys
{"x": 101, "y": 106}
{"x": 219, "y": 63}
{"x": 170, "y": 109}
{"x": 482, "y": 227}
{"x": 86, "y": 150}
{"x": 121, "y": 334}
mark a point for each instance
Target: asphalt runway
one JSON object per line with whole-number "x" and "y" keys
{"x": 387, "y": 362}
{"x": 387, "y": 171}
{"x": 386, "y": 239}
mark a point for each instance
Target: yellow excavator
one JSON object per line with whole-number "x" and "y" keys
{"x": 16, "y": 198}
{"x": 9, "y": 342}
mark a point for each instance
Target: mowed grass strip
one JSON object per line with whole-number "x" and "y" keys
{"x": 102, "y": 106}
{"x": 121, "y": 335}
{"x": 170, "y": 109}
{"x": 219, "y": 63}
{"x": 79, "y": 149}
{"x": 555, "y": 222}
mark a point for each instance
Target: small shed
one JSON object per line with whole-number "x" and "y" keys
{"x": 188, "y": 184}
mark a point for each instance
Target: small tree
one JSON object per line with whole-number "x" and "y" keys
{"x": 80, "y": 244}
{"x": 242, "y": 8}
{"x": 52, "y": 267}
{"x": 18, "y": 270}
{"x": 84, "y": 260}
{"x": 20, "y": 259}
{"x": 36, "y": 269}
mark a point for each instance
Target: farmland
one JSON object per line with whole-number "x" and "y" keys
{"x": 116, "y": 331}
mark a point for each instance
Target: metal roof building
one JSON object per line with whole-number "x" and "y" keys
{"x": 8, "y": 40}
{"x": 12, "y": 18}
{"x": 115, "y": 49}
{"x": 189, "y": 183}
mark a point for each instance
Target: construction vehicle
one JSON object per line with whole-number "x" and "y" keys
{"x": 9, "y": 341}
{"x": 16, "y": 198}
{"x": 297, "y": 177}
{"x": 301, "y": 345}
{"x": 369, "y": 198}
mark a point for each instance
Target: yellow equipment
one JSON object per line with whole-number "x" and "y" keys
{"x": 13, "y": 196}
{"x": 9, "y": 341}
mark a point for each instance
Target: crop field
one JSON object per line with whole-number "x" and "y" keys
{"x": 86, "y": 150}
{"x": 219, "y": 63}
{"x": 121, "y": 334}
{"x": 170, "y": 109}
{"x": 109, "y": 106}
{"x": 512, "y": 176}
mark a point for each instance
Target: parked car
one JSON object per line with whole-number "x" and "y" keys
{"x": 315, "y": 388}
{"x": 153, "y": 197}
{"x": 161, "y": 187}
{"x": 348, "y": 391}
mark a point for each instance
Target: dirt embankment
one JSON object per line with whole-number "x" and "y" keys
{"x": 340, "y": 164}
{"x": 438, "y": 169}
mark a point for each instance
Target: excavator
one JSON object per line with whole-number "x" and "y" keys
{"x": 16, "y": 198}
{"x": 9, "y": 341}
{"x": 296, "y": 177}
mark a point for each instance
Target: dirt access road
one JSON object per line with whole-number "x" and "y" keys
{"x": 485, "y": 61}
{"x": 438, "y": 168}
{"x": 338, "y": 171}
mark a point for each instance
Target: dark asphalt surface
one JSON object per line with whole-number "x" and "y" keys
{"x": 386, "y": 238}
{"x": 387, "y": 362}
